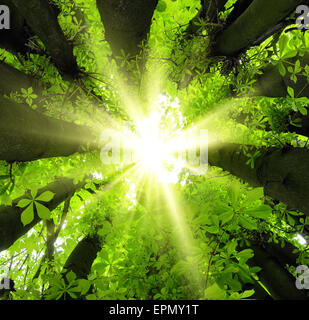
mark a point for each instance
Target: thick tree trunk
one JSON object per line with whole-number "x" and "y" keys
{"x": 15, "y": 38}
{"x": 27, "y": 135}
{"x": 260, "y": 17}
{"x": 278, "y": 281}
{"x": 284, "y": 173}
{"x": 213, "y": 8}
{"x": 42, "y": 18}
{"x": 12, "y": 80}
{"x": 272, "y": 84}
{"x": 238, "y": 9}
{"x": 272, "y": 259}
{"x": 11, "y": 227}
{"x": 304, "y": 129}
{"x": 82, "y": 257}
{"x": 208, "y": 13}
{"x": 79, "y": 261}
{"x": 126, "y": 23}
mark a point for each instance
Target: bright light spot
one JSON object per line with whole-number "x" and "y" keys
{"x": 59, "y": 242}
{"x": 152, "y": 151}
{"x": 97, "y": 175}
{"x": 300, "y": 239}
{"x": 131, "y": 194}
{"x": 150, "y": 146}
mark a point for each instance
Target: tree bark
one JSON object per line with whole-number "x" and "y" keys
{"x": 238, "y": 9}
{"x": 42, "y": 18}
{"x": 12, "y": 80}
{"x": 272, "y": 84}
{"x": 256, "y": 20}
{"x": 208, "y": 13}
{"x": 304, "y": 129}
{"x": 278, "y": 281}
{"x": 26, "y": 135}
{"x": 80, "y": 262}
{"x": 126, "y": 23}
{"x": 284, "y": 173}
{"x": 11, "y": 227}
{"x": 15, "y": 38}
{"x": 272, "y": 258}
{"x": 82, "y": 257}
{"x": 213, "y": 8}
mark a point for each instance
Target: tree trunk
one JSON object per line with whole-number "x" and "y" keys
{"x": 27, "y": 135}
{"x": 11, "y": 227}
{"x": 213, "y": 8}
{"x": 238, "y": 9}
{"x": 126, "y": 23}
{"x": 284, "y": 173}
{"x": 208, "y": 13}
{"x": 12, "y": 80}
{"x": 253, "y": 23}
{"x": 82, "y": 257}
{"x": 272, "y": 84}
{"x": 278, "y": 281}
{"x": 42, "y": 18}
{"x": 15, "y": 38}
{"x": 280, "y": 257}
{"x": 80, "y": 262}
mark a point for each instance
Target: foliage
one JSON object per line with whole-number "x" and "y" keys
{"x": 144, "y": 253}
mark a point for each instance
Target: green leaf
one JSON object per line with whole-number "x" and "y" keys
{"x": 231, "y": 247}
{"x": 246, "y": 294}
{"x": 291, "y": 220}
{"x": 255, "y": 194}
{"x": 226, "y": 217}
{"x": 283, "y": 44}
{"x": 34, "y": 192}
{"x": 212, "y": 229}
{"x": 291, "y": 92}
{"x": 247, "y": 223}
{"x": 245, "y": 254}
{"x": 262, "y": 212}
{"x": 302, "y": 110}
{"x": 161, "y": 7}
{"x": 24, "y": 203}
{"x": 43, "y": 212}
{"x": 234, "y": 284}
{"x": 297, "y": 67}
{"x": 290, "y": 54}
{"x": 72, "y": 294}
{"x": 84, "y": 286}
{"x": 27, "y": 215}
{"x": 231, "y": 269}
{"x": 71, "y": 276}
{"x": 45, "y": 196}
{"x": 282, "y": 69}
{"x": 214, "y": 292}
{"x": 255, "y": 269}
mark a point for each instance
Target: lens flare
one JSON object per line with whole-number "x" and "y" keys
{"x": 152, "y": 150}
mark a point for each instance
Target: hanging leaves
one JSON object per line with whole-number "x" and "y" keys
{"x": 30, "y": 205}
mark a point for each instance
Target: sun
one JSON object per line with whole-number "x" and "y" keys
{"x": 152, "y": 150}
{"x": 156, "y": 143}
{"x": 150, "y": 146}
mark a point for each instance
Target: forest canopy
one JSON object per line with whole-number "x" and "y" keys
{"x": 154, "y": 150}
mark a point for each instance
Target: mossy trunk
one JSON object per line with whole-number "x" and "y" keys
{"x": 27, "y": 135}
{"x": 41, "y": 16}
{"x": 284, "y": 173}
{"x": 258, "y": 18}
{"x": 11, "y": 227}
